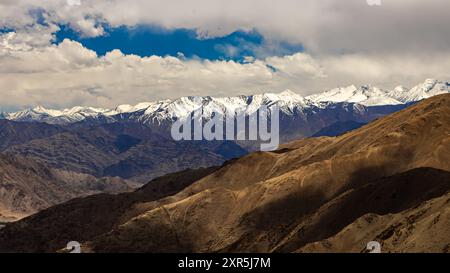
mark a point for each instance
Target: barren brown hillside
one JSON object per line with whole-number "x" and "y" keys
{"x": 255, "y": 203}
{"x": 307, "y": 192}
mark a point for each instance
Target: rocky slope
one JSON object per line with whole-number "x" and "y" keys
{"x": 293, "y": 199}
{"x": 391, "y": 210}
{"x": 88, "y": 217}
{"x": 424, "y": 228}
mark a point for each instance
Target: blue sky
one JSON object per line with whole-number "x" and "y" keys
{"x": 145, "y": 41}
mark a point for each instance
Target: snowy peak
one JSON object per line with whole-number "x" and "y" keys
{"x": 184, "y": 106}
{"x": 365, "y": 95}
{"x": 42, "y": 114}
{"x": 287, "y": 98}
{"x": 373, "y": 96}
{"x": 127, "y": 108}
{"x": 422, "y": 91}
{"x": 36, "y": 114}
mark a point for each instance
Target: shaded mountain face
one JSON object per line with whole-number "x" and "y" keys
{"x": 397, "y": 194}
{"x": 27, "y": 187}
{"x": 339, "y": 128}
{"x": 407, "y": 212}
{"x": 307, "y": 192}
{"x": 124, "y": 149}
{"x": 15, "y": 133}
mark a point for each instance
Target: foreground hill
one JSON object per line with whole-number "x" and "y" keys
{"x": 407, "y": 212}
{"x": 290, "y": 200}
{"x": 424, "y": 228}
{"x": 88, "y": 217}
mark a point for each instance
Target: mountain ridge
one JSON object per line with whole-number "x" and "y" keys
{"x": 287, "y": 100}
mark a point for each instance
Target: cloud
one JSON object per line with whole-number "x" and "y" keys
{"x": 68, "y": 74}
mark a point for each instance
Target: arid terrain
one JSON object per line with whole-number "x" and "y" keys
{"x": 27, "y": 187}
{"x": 388, "y": 181}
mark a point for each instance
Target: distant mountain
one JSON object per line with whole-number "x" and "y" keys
{"x": 373, "y": 96}
{"x": 15, "y": 133}
{"x": 387, "y": 181}
{"x": 127, "y": 150}
{"x": 288, "y": 101}
{"x": 41, "y": 114}
{"x": 364, "y": 95}
{"x": 423, "y": 91}
{"x": 142, "y": 151}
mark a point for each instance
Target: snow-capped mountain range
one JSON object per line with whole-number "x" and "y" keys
{"x": 288, "y": 101}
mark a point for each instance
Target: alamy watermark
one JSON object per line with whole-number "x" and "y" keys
{"x": 373, "y": 247}
{"x": 73, "y": 247}
{"x": 373, "y": 2}
{"x": 73, "y": 2}
{"x": 262, "y": 125}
